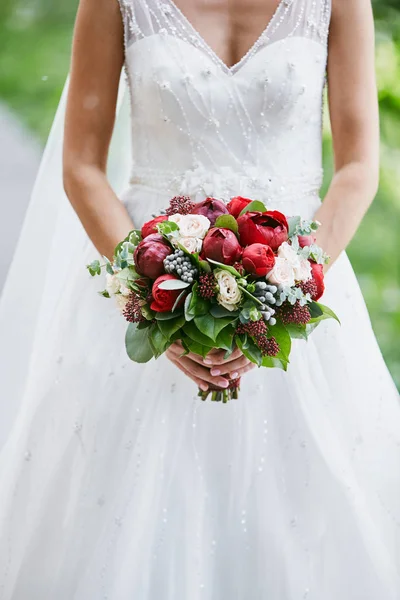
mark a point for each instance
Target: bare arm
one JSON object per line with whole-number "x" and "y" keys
{"x": 355, "y": 124}
{"x": 97, "y": 59}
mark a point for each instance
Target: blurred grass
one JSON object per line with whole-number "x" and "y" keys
{"x": 35, "y": 45}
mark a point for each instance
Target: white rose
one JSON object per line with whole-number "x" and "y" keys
{"x": 193, "y": 226}
{"x": 229, "y": 293}
{"x": 282, "y": 273}
{"x": 121, "y": 301}
{"x": 286, "y": 251}
{"x": 192, "y": 244}
{"x": 125, "y": 291}
{"x": 112, "y": 284}
{"x": 303, "y": 272}
{"x": 177, "y": 218}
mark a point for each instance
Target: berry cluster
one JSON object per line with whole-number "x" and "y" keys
{"x": 180, "y": 264}
{"x": 258, "y": 331}
{"x": 207, "y": 286}
{"x": 309, "y": 287}
{"x": 293, "y": 313}
{"x": 133, "y": 309}
{"x": 265, "y": 293}
{"x": 181, "y": 205}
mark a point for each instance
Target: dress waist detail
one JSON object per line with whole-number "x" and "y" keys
{"x": 226, "y": 182}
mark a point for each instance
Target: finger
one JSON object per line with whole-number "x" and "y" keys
{"x": 177, "y": 352}
{"x": 230, "y": 367}
{"x": 202, "y": 372}
{"x": 219, "y": 357}
{"x": 203, "y": 385}
{"x": 243, "y": 371}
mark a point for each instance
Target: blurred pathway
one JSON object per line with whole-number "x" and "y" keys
{"x": 19, "y": 160}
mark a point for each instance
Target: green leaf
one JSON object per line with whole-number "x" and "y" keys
{"x": 167, "y": 316}
{"x": 173, "y": 284}
{"x": 297, "y": 331}
{"x": 281, "y": 334}
{"x": 105, "y": 294}
{"x": 328, "y": 312}
{"x": 226, "y": 339}
{"x": 219, "y": 311}
{"x": 293, "y": 223}
{"x": 168, "y": 228}
{"x": 250, "y": 350}
{"x": 171, "y": 326}
{"x": 315, "y": 310}
{"x": 210, "y": 326}
{"x": 196, "y": 347}
{"x": 191, "y": 331}
{"x": 137, "y": 343}
{"x": 204, "y": 266}
{"x": 227, "y": 222}
{"x": 274, "y": 363}
{"x": 196, "y": 305}
{"x": 177, "y": 301}
{"x": 228, "y": 268}
{"x": 246, "y": 293}
{"x": 94, "y": 268}
{"x": 158, "y": 340}
{"x": 255, "y": 206}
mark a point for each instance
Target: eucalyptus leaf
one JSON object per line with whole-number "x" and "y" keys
{"x": 177, "y": 301}
{"x": 173, "y": 284}
{"x": 227, "y": 222}
{"x": 294, "y": 223}
{"x": 255, "y": 206}
{"x": 228, "y": 268}
{"x": 137, "y": 343}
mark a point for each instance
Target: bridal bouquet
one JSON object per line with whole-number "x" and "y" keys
{"x": 220, "y": 276}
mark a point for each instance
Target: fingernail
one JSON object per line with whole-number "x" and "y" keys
{"x": 208, "y": 361}
{"x": 223, "y": 383}
{"x": 234, "y": 375}
{"x": 204, "y": 387}
{"x": 215, "y": 372}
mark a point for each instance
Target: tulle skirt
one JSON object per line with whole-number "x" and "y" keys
{"x": 117, "y": 482}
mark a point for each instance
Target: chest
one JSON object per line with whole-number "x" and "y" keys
{"x": 230, "y": 27}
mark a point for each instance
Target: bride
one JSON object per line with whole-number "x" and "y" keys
{"x": 116, "y": 482}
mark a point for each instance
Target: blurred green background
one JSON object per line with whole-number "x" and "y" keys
{"x": 35, "y": 41}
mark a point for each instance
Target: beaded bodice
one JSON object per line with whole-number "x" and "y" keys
{"x": 199, "y": 125}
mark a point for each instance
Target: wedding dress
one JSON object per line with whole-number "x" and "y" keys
{"x": 116, "y": 481}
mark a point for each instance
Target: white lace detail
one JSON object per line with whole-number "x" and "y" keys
{"x": 226, "y": 183}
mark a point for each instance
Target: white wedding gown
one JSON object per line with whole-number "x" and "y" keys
{"x": 116, "y": 482}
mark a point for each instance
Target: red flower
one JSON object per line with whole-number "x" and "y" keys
{"x": 258, "y": 259}
{"x": 237, "y": 204}
{"x": 222, "y": 245}
{"x": 210, "y": 208}
{"x": 164, "y": 300}
{"x": 318, "y": 278}
{"x": 306, "y": 240}
{"x": 151, "y": 226}
{"x": 270, "y": 228}
{"x": 150, "y": 254}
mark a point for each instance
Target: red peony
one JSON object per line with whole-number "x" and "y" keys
{"x": 318, "y": 278}
{"x": 164, "y": 300}
{"x": 210, "y": 208}
{"x": 222, "y": 245}
{"x": 258, "y": 259}
{"x": 306, "y": 240}
{"x": 150, "y": 254}
{"x": 270, "y": 228}
{"x": 237, "y": 204}
{"x": 151, "y": 226}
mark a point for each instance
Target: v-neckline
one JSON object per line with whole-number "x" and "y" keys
{"x": 231, "y": 70}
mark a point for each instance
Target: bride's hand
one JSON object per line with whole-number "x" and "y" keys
{"x": 213, "y": 369}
